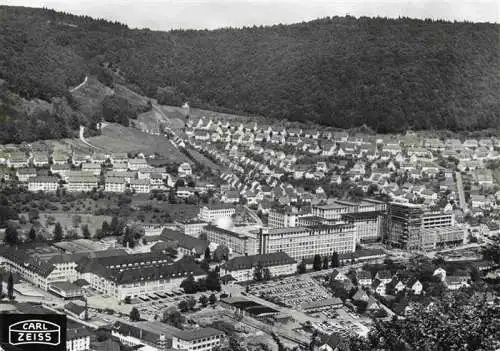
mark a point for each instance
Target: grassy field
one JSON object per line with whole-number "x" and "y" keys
{"x": 90, "y": 96}
{"x": 66, "y": 219}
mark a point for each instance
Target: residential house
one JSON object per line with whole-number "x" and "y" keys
{"x": 23, "y": 174}
{"x": 43, "y": 183}
{"x": 40, "y": 159}
{"x": 93, "y": 168}
{"x": 184, "y": 170}
{"x": 135, "y": 164}
{"x": 62, "y": 170}
{"x": 384, "y": 276}
{"x": 364, "y": 278}
{"x": 115, "y": 184}
{"x": 140, "y": 185}
{"x": 83, "y": 182}
{"x": 18, "y": 160}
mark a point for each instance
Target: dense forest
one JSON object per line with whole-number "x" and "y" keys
{"x": 388, "y": 74}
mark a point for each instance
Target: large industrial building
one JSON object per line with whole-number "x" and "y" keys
{"x": 410, "y": 227}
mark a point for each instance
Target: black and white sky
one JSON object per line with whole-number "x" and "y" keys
{"x": 211, "y": 14}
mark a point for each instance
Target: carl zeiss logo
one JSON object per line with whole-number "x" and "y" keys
{"x": 35, "y": 332}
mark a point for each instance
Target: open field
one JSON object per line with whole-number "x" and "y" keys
{"x": 66, "y": 219}
{"x": 117, "y": 138}
{"x": 170, "y": 116}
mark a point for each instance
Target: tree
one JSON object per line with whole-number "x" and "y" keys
{"x": 203, "y": 300}
{"x": 212, "y": 299}
{"x": 10, "y": 286}
{"x": 207, "y": 254}
{"x": 317, "y": 262}
{"x": 77, "y": 219}
{"x": 134, "y": 315}
{"x": 132, "y": 235}
{"x": 266, "y": 274}
{"x": 492, "y": 250}
{"x": 191, "y": 302}
{"x": 85, "y": 231}
{"x": 335, "y": 260}
{"x": 183, "y": 306}
{"x": 301, "y": 267}
{"x": 257, "y": 272}
{"x": 213, "y": 280}
{"x": 325, "y": 262}
{"x": 58, "y": 232}
{"x": 32, "y": 234}
{"x": 450, "y": 323}
{"x": 189, "y": 284}
{"x": 173, "y": 317}
{"x": 11, "y": 235}
{"x": 221, "y": 253}
{"x": 1, "y": 286}
{"x": 105, "y": 228}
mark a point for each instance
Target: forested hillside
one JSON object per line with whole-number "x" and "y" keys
{"x": 341, "y": 71}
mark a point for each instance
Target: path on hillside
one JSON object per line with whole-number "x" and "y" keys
{"x": 79, "y": 85}
{"x": 82, "y": 138}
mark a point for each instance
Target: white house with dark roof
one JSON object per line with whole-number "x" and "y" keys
{"x": 115, "y": 184}
{"x": 94, "y": 168}
{"x": 43, "y": 183}
{"x": 23, "y": 174}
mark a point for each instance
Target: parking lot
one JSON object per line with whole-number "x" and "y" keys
{"x": 292, "y": 292}
{"x": 153, "y": 305}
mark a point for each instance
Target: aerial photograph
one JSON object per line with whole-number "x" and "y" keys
{"x": 249, "y": 175}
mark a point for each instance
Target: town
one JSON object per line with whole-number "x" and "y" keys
{"x": 267, "y": 236}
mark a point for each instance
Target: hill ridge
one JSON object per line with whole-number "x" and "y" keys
{"x": 388, "y": 74}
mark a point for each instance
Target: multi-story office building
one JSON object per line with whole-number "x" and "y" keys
{"x": 437, "y": 238}
{"x": 282, "y": 218}
{"x": 331, "y": 211}
{"x": 368, "y": 215}
{"x": 305, "y": 242}
{"x": 238, "y": 244}
{"x": 212, "y": 212}
{"x": 410, "y": 227}
{"x": 404, "y": 224}
{"x": 369, "y": 225}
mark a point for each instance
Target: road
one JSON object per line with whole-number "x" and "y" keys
{"x": 79, "y": 85}
{"x": 461, "y": 193}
